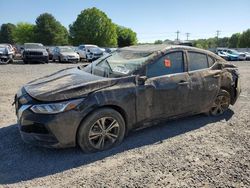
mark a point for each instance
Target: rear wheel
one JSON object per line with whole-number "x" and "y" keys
{"x": 221, "y": 103}
{"x": 102, "y": 130}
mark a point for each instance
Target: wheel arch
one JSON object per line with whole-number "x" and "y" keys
{"x": 117, "y": 108}
{"x": 230, "y": 91}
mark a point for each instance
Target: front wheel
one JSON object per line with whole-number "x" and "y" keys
{"x": 102, "y": 130}
{"x": 221, "y": 103}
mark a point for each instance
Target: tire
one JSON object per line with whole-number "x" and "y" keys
{"x": 107, "y": 127}
{"x": 220, "y": 104}
{"x": 59, "y": 59}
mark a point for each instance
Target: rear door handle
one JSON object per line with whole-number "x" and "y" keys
{"x": 216, "y": 75}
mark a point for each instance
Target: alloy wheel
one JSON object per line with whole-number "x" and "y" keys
{"x": 104, "y": 133}
{"x": 220, "y": 105}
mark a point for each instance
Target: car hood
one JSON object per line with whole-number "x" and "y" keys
{"x": 69, "y": 53}
{"x": 66, "y": 84}
{"x": 35, "y": 49}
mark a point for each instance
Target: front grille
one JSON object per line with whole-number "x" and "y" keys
{"x": 34, "y": 53}
{"x": 34, "y": 128}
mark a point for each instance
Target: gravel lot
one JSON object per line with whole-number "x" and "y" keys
{"x": 197, "y": 151}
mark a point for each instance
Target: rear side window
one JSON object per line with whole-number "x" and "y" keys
{"x": 168, "y": 64}
{"x": 197, "y": 61}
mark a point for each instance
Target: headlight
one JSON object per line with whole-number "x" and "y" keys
{"x": 45, "y": 53}
{"x": 55, "y": 108}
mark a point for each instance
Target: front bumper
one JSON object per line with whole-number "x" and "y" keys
{"x": 49, "y": 130}
{"x": 5, "y": 59}
{"x": 36, "y": 58}
{"x": 70, "y": 59}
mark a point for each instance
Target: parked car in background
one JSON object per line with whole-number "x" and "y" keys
{"x": 89, "y": 52}
{"x": 50, "y": 51}
{"x": 247, "y": 55}
{"x": 94, "y": 53}
{"x": 65, "y": 54}
{"x": 234, "y": 55}
{"x": 35, "y": 52}
{"x": 13, "y": 50}
{"x": 6, "y": 54}
{"x": 222, "y": 54}
{"x": 95, "y": 106}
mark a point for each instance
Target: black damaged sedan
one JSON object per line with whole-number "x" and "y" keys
{"x": 97, "y": 105}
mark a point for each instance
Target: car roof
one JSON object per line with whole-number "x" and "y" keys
{"x": 87, "y": 45}
{"x": 157, "y": 50}
{"x": 162, "y": 48}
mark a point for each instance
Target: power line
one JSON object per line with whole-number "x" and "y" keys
{"x": 217, "y": 36}
{"x": 187, "y": 34}
{"x": 177, "y": 35}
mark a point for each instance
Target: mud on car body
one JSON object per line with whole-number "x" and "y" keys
{"x": 95, "y": 106}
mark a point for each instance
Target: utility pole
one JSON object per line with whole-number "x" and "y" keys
{"x": 187, "y": 34}
{"x": 217, "y": 36}
{"x": 177, "y": 35}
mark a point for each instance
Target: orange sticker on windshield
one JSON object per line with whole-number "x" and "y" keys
{"x": 167, "y": 63}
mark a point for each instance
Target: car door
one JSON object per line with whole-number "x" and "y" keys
{"x": 205, "y": 81}
{"x": 164, "y": 93}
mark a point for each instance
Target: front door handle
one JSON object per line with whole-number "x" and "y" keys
{"x": 183, "y": 83}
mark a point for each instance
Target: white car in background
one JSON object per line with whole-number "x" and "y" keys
{"x": 89, "y": 52}
{"x": 94, "y": 53}
{"x": 6, "y": 54}
{"x": 247, "y": 55}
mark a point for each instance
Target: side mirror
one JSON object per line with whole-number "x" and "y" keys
{"x": 141, "y": 80}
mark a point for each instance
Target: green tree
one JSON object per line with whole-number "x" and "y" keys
{"x": 212, "y": 42}
{"x": 125, "y": 36}
{"x": 6, "y": 33}
{"x": 234, "y": 40}
{"x": 49, "y": 31}
{"x": 158, "y": 42}
{"x": 94, "y": 27}
{"x": 244, "y": 40}
{"x": 223, "y": 42}
{"x": 201, "y": 43}
{"x": 24, "y": 32}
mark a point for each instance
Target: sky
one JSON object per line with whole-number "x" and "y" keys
{"x": 150, "y": 19}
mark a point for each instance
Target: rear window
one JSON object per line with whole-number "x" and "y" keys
{"x": 197, "y": 61}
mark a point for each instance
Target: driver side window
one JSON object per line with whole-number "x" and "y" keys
{"x": 170, "y": 63}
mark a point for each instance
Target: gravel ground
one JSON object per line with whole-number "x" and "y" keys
{"x": 197, "y": 151}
